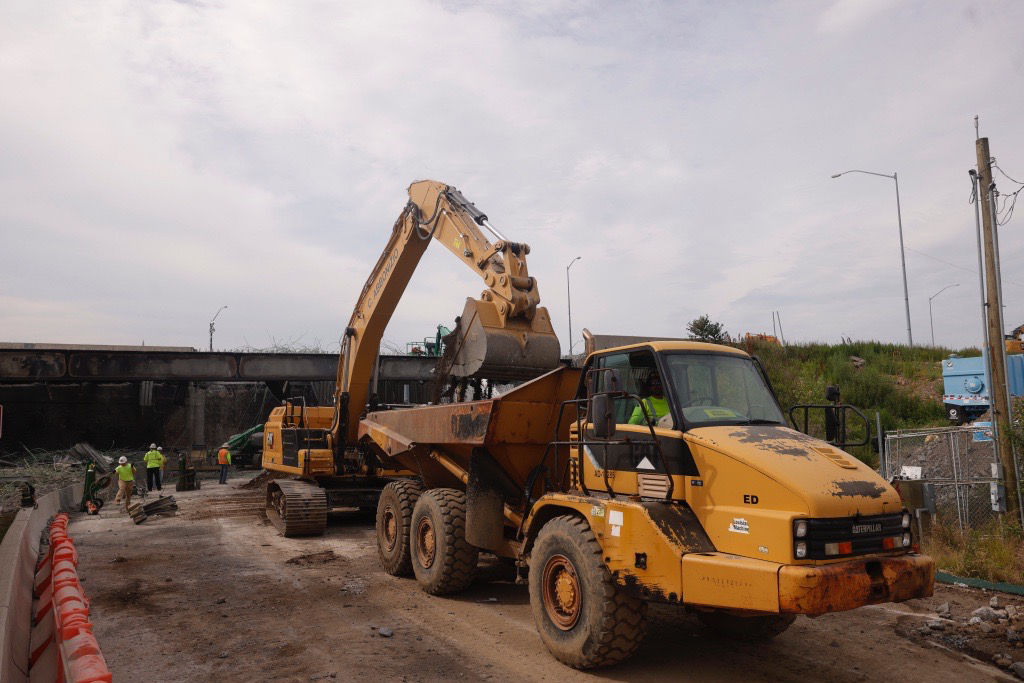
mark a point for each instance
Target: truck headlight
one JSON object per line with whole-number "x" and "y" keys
{"x": 906, "y": 520}
{"x": 906, "y": 540}
{"x": 800, "y": 528}
{"x": 800, "y": 549}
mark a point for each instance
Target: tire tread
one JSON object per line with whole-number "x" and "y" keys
{"x": 623, "y": 622}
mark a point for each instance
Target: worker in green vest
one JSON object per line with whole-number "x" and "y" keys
{"x": 655, "y": 402}
{"x": 125, "y": 481}
{"x": 155, "y": 463}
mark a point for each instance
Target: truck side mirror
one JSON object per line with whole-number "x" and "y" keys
{"x": 602, "y": 416}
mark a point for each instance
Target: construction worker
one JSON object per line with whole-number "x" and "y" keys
{"x": 125, "y": 481}
{"x": 656, "y": 403}
{"x": 155, "y": 463}
{"x": 224, "y": 459}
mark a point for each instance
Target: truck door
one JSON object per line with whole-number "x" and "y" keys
{"x": 634, "y": 465}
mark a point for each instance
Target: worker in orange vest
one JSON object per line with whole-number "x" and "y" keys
{"x": 224, "y": 459}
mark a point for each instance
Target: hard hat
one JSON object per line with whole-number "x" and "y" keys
{"x": 123, "y": 460}
{"x": 152, "y": 445}
{"x": 159, "y": 448}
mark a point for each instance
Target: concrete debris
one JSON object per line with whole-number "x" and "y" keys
{"x": 86, "y": 453}
{"x": 858, "y": 362}
{"x": 993, "y": 602}
{"x": 137, "y": 514}
{"x": 161, "y": 506}
{"x": 1011, "y": 612}
{"x": 974, "y": 621}
{"x": 937, "y": 625}
{"x": 1002, "y": 661}
{"x": 986, "y": 627}
{"x": 987, "y": 614}
{"x": 943, "y": 610}
{"x": 385, "y": 632}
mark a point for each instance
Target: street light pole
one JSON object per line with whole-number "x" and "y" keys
{"x": 903, "y": 258}
{"x": 211, "y": 325}
{"x": 931, "y": 322}
{"x": 568, "y": 297}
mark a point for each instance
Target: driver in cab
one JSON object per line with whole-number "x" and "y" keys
{"x": 655, "y": 402}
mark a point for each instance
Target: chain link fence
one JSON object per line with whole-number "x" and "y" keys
{"x": 960, "y": 464}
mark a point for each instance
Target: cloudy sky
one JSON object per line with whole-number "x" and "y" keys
{"x": 161, "y": 159}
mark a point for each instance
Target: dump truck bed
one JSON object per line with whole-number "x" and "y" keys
{"x": 514, "y": 429}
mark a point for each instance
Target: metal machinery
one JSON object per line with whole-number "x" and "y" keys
{"x": 966, "y": 383}
{"x": 246, "y": 447}
{"x": 502, "y": 335}
{"x": 711, "y": 503}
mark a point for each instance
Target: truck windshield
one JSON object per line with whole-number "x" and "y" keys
{"x": 719, "y": 388}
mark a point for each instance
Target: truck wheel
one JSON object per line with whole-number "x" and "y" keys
{"x": 394, "y": 515}
{"x": 443, "y": 561}
{"x": 751, "y": 629}
{"x": 584, "y": 619}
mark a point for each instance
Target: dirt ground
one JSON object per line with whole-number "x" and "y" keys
{"x": 215, "y": 593}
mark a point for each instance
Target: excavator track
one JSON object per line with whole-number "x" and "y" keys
{"x": 297, "y": 508}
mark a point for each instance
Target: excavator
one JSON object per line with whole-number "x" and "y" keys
{"x": 502, "y": 336}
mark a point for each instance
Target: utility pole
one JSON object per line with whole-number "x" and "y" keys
{"x": 998, "y": 397}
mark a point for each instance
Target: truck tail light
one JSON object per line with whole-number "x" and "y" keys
{"x": 841, "y": 548}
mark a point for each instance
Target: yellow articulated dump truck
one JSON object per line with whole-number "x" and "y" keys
{"x": 659, "y": 471}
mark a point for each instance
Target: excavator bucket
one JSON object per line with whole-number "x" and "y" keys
{"x": 517, "y": 349}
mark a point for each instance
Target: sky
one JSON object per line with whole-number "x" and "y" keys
{"x": 161, "y": 160}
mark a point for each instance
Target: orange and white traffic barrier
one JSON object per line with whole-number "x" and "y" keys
{"x": 62, "y": 640}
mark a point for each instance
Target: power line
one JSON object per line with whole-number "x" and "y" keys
{"x": 953, "y": 265}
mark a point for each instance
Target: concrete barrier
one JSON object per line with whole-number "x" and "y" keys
{"x": 19, "y": 552}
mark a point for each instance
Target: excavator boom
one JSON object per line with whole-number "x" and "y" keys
{"x": 503, "y": 335}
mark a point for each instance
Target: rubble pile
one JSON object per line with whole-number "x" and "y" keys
{"x": 49, "y": 470}
{"x": 994, "y": 631}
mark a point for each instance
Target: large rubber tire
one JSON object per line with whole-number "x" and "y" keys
{"x": 584, "y": 619}
{"x": 394, "y": 517}
{"x": 747, "y": 629}
{"x": 442, "y": 560}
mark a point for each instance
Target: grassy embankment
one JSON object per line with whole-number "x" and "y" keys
{"x": 903, "y": 384}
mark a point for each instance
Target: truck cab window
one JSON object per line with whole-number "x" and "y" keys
{"x": 639, "y": 375}
{"x": 719, "y": 388}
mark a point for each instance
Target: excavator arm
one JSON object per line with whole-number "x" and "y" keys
{"x": 504, "y": 334}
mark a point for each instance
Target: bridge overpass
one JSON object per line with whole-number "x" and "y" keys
{"x": 54, "y": 395}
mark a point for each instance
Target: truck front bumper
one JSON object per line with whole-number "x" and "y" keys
{"x": 818, "y": 589}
